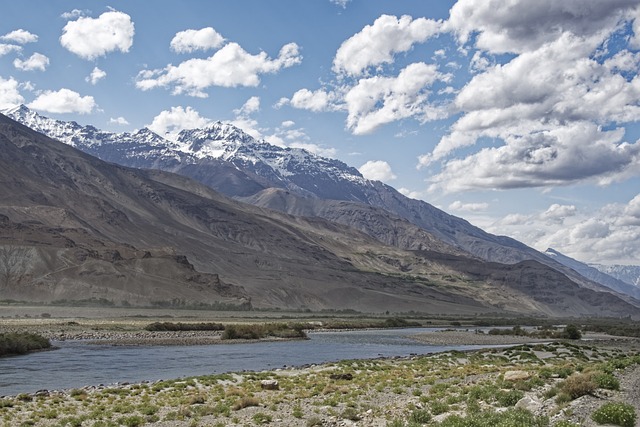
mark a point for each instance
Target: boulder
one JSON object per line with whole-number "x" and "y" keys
{"x": 269, "y": 384}
{"x": 516, "y": 375}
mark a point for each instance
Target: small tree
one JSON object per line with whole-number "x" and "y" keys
{"x": 572, "y": 332}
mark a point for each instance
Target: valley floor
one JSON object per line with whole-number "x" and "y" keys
{"x": 535, "y": 384}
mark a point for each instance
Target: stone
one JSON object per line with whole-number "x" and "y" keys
{"x": 516, "y": 375}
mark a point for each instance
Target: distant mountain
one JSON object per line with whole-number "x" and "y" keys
{"x": 300, "y": 183}
{"x": 627, "y": 273}
{"x": 592, "y": 273}
{"x": 231, "y": 161}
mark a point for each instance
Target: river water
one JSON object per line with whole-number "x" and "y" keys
{"x": 77, "y": 364}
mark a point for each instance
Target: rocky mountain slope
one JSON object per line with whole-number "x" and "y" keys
{"x": 373, "y": 260}
{"x": 594, "y": 274}
{"x": 231, "y": 161}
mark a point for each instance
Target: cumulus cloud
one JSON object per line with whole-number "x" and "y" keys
{"x": 558, "y": 213}
{"x": 7, "y": 48}
{"x": 9, "y": 93}
{"x": 96, "y": 75}
{"x": 63, "y": 101}
{"x": 377, "y": 170}
{"x": 520, "y": 26}
{"x": 562, "y": 96}
{"x": 468, "y": 207}
{"x": 178, "y": 118}
{"x": 377, "y": 100}
{"x": 318, "y": 100}
{"x": 37, "y": 61}
{"x": 252, "y": 105}
{"x": 607, "y": 235}
{"x": 191, "y": 40}
{"x": 230, "y": 66}
{"x": 90, "y": 38}
{"x": 378, "y": 43}
{"x": 118, "y": 121}
{"x": 19, "y": 36}
{"x": 546, "y": 158}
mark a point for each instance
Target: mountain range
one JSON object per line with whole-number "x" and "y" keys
{"x": 304, "y": 231}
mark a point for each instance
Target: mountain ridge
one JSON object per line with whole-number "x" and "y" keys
{"x": 310, "y": 186}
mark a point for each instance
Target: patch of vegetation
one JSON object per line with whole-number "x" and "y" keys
{"x": 21, "y": 343}
{"x": 262, "y": 330}
{"x": 616, "y": 413}
{"x": 175, "y": 327}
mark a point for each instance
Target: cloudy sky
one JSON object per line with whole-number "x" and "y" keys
{"x": 520, "y": 116}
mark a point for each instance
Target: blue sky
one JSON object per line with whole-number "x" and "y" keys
{"x": 519, "y": 116}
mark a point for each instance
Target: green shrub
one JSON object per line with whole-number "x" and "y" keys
{"x": 175, "y": 327}
{"x": 565, "y": 423}
{"x": 509, "y": 398}
{"x": 262, "y": 418}
{"x": 420, "y": 416}
{"x": 616, "y": 413}
{"x": 21, "y": 343}
{"x": 606, "y": 381}
{"x": 572, "y": 332}
{"x": 509, "y": 418}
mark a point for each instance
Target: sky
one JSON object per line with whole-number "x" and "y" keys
{"x": 520, "y": 116}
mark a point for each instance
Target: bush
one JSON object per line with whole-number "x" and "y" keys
{"x": 174, "y": 327}
{"x": 21, "y": 343}
{"x": 606, "y": 381}
{"x": 578, "y": 385}
{"x": 616, "y": 413}
{"x": 257, "y": 331}
{"x": 572, "y": 332}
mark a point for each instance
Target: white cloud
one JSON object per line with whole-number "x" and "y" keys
{"x": 37, "y": 61}
{"x": 607, "y": 235}
{"x": 231, "y": 66}
{"x": 341, "y": 3}
{"x": 63, "y": 101}
{"x": 90, "y": 38}
{"x": 377, "y": 170}
{"x": 252, "y": 105}
{"x": 521, "y": 25}
{"x": 288, "y": 123}
{"x": 191, "y": 40}
{"x": 376, "y": 101}
{"x": 317, "y": 100}
{"x": 178, "y": 118}
{"x": 378, "y": 43}
{"x": 545, "y": 158}
{"x": 19, "y": 36}
{"x": 558, "y": 213}
{"x": 468, "y": 207}
{"x": 75, "y": 13}
{"x": 96, "y": 75}
{"x": 9, "y": 93}
{"x": 118, "y": 121}
{"x": 7, "y": 48}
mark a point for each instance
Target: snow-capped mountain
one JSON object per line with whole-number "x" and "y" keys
{"x": 229, "y": 160}
{"x": 218, "y": 142}
{"x": 627, "y": 273}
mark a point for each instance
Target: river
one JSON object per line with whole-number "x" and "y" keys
{"x": 76, "y": 364}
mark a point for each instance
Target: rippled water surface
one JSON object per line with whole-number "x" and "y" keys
{"x": 76, "y": 364}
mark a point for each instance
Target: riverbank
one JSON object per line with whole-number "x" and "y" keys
{"x": 525, "y": 382}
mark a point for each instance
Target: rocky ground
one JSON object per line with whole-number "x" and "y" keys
{"x": 523, "y": 385}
